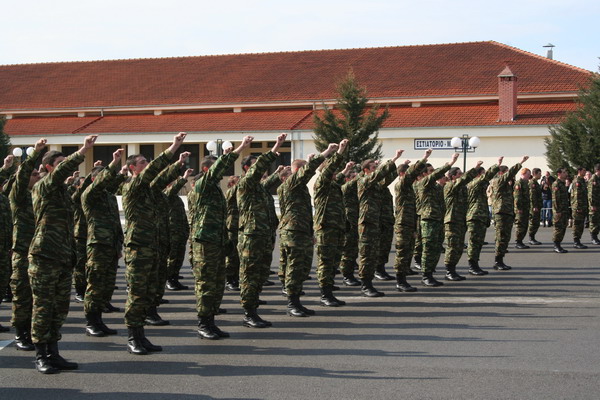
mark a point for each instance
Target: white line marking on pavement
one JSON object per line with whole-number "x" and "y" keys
{"x": 4, "y": 343}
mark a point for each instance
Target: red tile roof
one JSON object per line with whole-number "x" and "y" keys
{"x": 462, "y": 69}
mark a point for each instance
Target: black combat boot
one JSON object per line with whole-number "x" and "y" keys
{"x": 154, "y": 319}
{"x": 475, "y": 269}
{"x": 350, "y": 280}
{"x": 134, "y": 345}
{"x": 268, "y": 283}
{"x": 381, "y": 274}
{"x": 328, "y": 299}
{"x": 429, "y": 280}
{"x": 368, "y": 290}
{"x": 105, "y": 328}
{"x": 558, "y": 248}
{"x": 4, "y": 328}
{"x": 23, "y": 338}
{"x": 109, "y": 308}
{"x": 418, "y": 262}
{"x": 42, "y": 363}
{"x": 146, "y": 343}
{"x": 578, "y": 245}
{"x": 534, "y": 242}
{"x": 56, "y": 359}
{"x": 216, "y": 329}
{"x": 92, "y": 327}
{"x": 595, "y": 239}
{"x": 520, "y": 245}
{"x": 252, "y": 320}
{"x": 499, "y": 264}
{"x": 232, "y": 285}
{"x": 294, "y": 307}
{"x": 402, "y": 285}
{"x": 79, "y": 295}
{"x": 452, "y": 275}
{"x": 205, "y": 330}
{"x": 174, "y": 284}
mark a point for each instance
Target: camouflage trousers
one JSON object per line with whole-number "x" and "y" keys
{"x": 141, "y": 273}
{"x": 330, "y": 243}
{"x": 535, "y": 218}
{"x": 578, "y": 224}
{"x": 386, "y": 238}
{"x": 477, "y": 229}
{"x": 418, "y": 240}
{"x": 101, "y": 271}
{"x": 256, "y": 252}
{"x": 503, "y": 224}
{"x": 521, "y": 225}
{"x": 163, "y": 256}
{"x": 268, "y": 261}
{"x": 368, "y": 250}
{"x": 209, "y": 274}
{"x": 296, "y": 260}
{"x": 432, "y": 237}
{"x": 176, "y": 255}
{"x": 5, "y": 271}
{"x": 595, "y": 222}
{"x": 50, "y": 283}
{"x": 79, "y": 278}
{"x": 21, "y": 291}
{"x": 232, "y": 260}
{"x": 455, "y": 241}
{"x": 405, "y": 245}
{"x": 560, "y": 226}
{"x": 350, "y": 251}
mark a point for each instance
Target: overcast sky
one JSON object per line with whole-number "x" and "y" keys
{"x": 65, "y": 30}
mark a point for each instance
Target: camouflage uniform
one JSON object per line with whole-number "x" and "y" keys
{"x": 503, "y": 208}
{"x": 255, "y": 242}
{"x": 296, "y": 228}
{"x": 579, "y": 206}
{"x": 80, "y": 232}
{"x": 210, "y": 237}
{"x": 386, "y": 221}
{"x": 560, "y": 205}
{"x": 179, "y": 229}
{"x": 431, "y": 209}
{"x": 232, "y": 260}
{"x": 455, "y": 220}
{"x": 141, "y": 241}
{"x": 105, "y": 238}
{"x": 535, "y": 192}
{"x": 522, "y": 204}
{"x": 350, "y": 251}
{"x": 52, "y": 252}
{"x": 272, "y": 182}
{"x": 405, "y": 224}
{"x": 478, "y": 215}
{"x": 594, "y": 202}
{"x": 6, "y": 233}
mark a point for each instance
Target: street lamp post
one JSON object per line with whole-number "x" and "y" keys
{"x": 465, "y": 143}
{"x": 217, "y": 147}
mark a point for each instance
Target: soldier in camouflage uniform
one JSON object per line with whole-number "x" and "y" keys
{"x": 296, "y": 229}
{"x": 594, "y": 204}
{"x": 431, "y": 209}
{"x": 141, "y": 243}
{"x": 369, "y": 197}
{"x": 6, "y": 230}
{"x": 455, "y": 220}
{"x": 350, "y": 251}
{"x": 330, "y": 223}
{"x": 535, "y": 210}
{"x": 406, "y": 221}
{"x": 210, "y": 241}
{"x": 24, "y": 225}
{"x": 522, "y": 205}
{"x": 232, "y": 260}
{"x": 579, "y": 207}
{"x": 386, "y": 225}
{"x": 560, "y": 209}
{"x": 503, "y": 210}
{"x": 104, "y": 242}
{"x": 270, "y": 184}
{"x": 478, "y": 215}
{"x": 52, "y": 257}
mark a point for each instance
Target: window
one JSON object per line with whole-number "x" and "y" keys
{"x": 147, "y": 150}
{"x": 104, "y": 153}
{"x": 68, "y": 150}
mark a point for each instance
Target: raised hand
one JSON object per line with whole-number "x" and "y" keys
{"x": 184, "y": 156}
{"x": 525, "y": 158}
{"x": 40, "y": 144}
{"x": 8, "y": 161}
{"x": 188, "y": 172}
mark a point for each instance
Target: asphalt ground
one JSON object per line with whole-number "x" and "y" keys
{"x": 529, "y": 333}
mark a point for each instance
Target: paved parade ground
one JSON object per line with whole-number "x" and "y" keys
{"x": 529, "y": 333}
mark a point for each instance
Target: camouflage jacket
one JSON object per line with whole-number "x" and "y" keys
{"x": 406, "y": 206}
{"x": 535, "y": 193}
{"x": 579, "y": 196}
{"x": 21, "y": 205}
{"x": 294, "y": 199}
{"x": 233, "y": 214}
{"x": 158, "y": 186}
{"x": 329, "y": 200}
{"x": 456, "y": 198}
{"x": 210, "y": 208}
{"x": 560, "y": 197}
{"x": 272, "y": 182}
{"x": 253, "y": 199}
{"x": 502, "y": 199}
{"x": 179, "y": 228}
{"x": 594, "y": 192}
{"x": 477, "y": 196}
{"x": 101, "y": 211}
{"x": 80, "y": 231}
{"x": 369, "y": 194}
{"x": 139, "y": 204}
{"x": 522, "y": 196}
{"x": 430, "y": 195}
{"x": 386, "y": 217}
{"x": 350, "y": 192}
{"x": 53, "y": 211}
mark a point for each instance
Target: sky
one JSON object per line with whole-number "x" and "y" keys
{"x": 82, "y": 30}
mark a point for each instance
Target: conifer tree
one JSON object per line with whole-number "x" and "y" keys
{"x": 4, "y": 140}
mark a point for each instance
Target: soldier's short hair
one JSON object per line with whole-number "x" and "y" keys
{"x": 50, "y": 157}
{"x": 502, "y": 168}
{"x": 579, "y": 169}
{"x": 247, "y": 161}
{"x": 366, "y": 164}
{"x": 453, "y": 172}
{"x": 298, "y": 163}
{"x": 402, "y": 168}
{"x": 560, "y": 170}
{"x": 96, "y": 170}
{"x": 132, "y": 160}
{"x": 524, "y": 171}
{"x": 536, "y": 171}
{"x": 480, "y": 170}
{"x": 597, "y": 167}
{"x": 208, "y": 162}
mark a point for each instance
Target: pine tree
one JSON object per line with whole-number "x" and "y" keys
{"x": 576, "y": 141}
{"x": 351, "y": 120}
{"x": 4, "y": 140}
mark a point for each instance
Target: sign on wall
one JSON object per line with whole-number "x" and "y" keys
{"x": 436, "y": 144}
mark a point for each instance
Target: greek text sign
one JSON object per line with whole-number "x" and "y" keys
{"x": 437, "y": 144}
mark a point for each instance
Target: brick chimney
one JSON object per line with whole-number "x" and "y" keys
{"x": 507, "y": 95}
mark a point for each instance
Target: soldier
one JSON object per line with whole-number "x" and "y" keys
{"x": 52, "y": 257}
{"x": 579, "y": 207}
{"x": 455, "y": 220}
{"x": 560, "y": 209}
{"x": 594, "y": 204}
{"x": 503, "y": 210}
{"x": 330, "y": 223}
{"x": 522, "y": 204}
{"x": 478, "y": 215}
{"x": 104, "y": 241}
{"x": 350, "y": 251}
{"x": 210, "y": 241}
{"x": 270, "y": 184}
{"x": 232, "y": 260}
{"x": 6, "y": 230}
{"x": 296, "y": 229}
{"x": 405, "y": 225}
{"x": 141, "y": 244}
{"x": 386, "y": 226}
{"x": 431, "y": 210}
{"x": 535, "y": 211}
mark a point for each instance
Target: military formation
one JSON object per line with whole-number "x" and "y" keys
{"x": 60, "y": 231}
